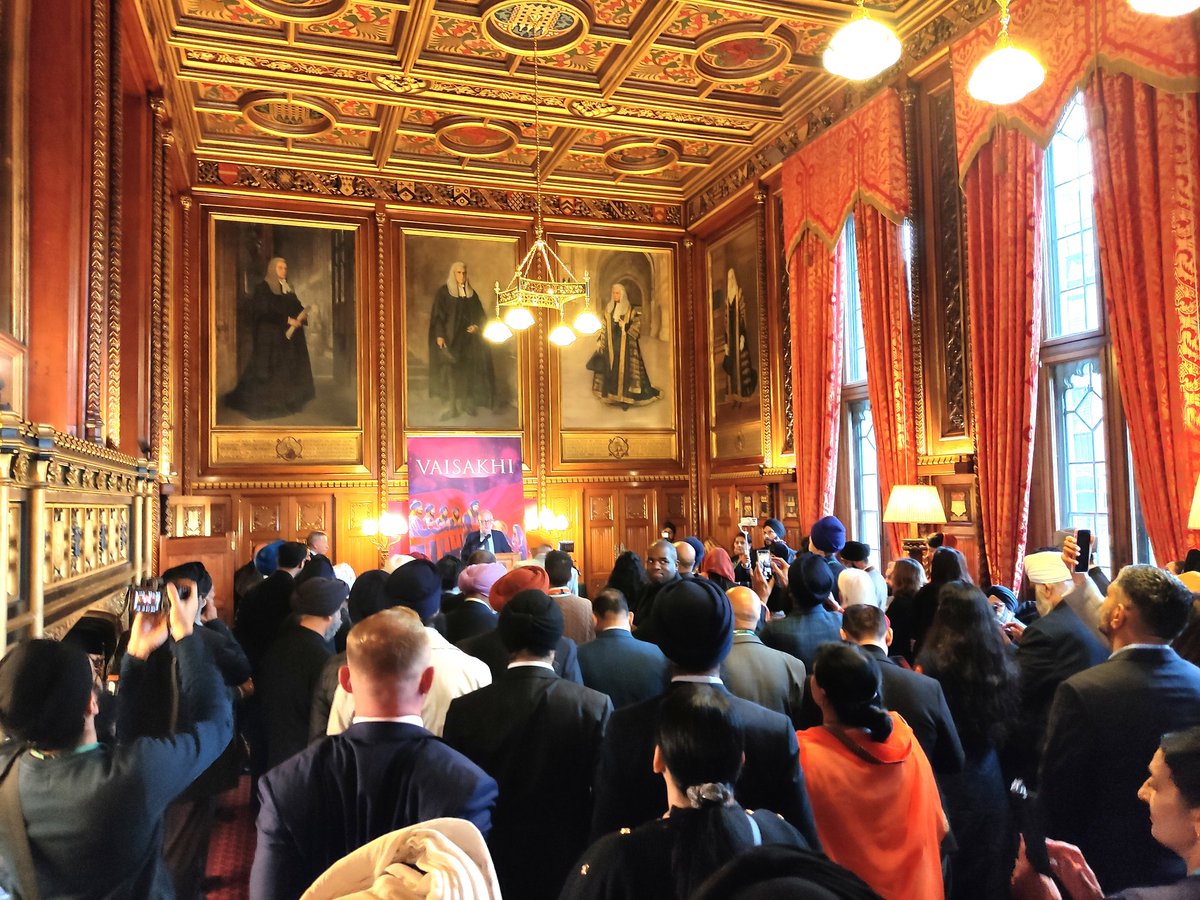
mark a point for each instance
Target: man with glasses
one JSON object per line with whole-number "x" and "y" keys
{"x": 486, "y": 538}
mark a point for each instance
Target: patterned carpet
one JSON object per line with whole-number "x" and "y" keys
{"x": 231, "y": 849}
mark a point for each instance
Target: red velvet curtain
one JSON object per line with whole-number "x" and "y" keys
{"x": 887, "y": 329}
{"x": 1003, "y": 200}
{"x": 1146, "y": 151}
{"x": 817, "y": 336}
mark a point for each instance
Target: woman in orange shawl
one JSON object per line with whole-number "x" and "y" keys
{"x": 873, "y": 795}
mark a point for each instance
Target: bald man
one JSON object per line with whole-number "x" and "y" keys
{"x": 686, "y": 554}
{"x": 756, "y": 672}
{"x": 385, "y": 772}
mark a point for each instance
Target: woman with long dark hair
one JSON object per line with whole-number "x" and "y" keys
{"x": 907, "y": 578}
{"x": 874, "y": 798}
{"x": 966, "y": 652}
{"x": 948, "y": 565}
{"x": 629, "y": 577}
{"x": 699, "y": 753}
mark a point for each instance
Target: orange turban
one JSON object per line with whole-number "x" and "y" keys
{"x": 519, "y": 579}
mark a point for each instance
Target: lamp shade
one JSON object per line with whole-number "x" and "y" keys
{"x": 1194, "y": 514}
{"x": 1165, "y": 7}
{"x": 919, "y": 503}
{"x": 862, "y": 49}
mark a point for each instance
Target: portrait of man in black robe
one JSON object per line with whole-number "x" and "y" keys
{"x": 461, "y": 375}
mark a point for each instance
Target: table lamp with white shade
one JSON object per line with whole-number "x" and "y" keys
{"x": 914, "y": 505}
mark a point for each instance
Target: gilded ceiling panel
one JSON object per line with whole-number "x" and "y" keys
{"x": 658, "y": 97}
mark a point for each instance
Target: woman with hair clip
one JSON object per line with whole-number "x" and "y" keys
{"x": 699, "y": 753}
{"x": 874, "y": 798}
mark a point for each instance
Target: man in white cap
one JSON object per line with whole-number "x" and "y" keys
{"x": 1052, "y": 649}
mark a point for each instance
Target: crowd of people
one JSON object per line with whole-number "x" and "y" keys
{"x": 721, "y": 720}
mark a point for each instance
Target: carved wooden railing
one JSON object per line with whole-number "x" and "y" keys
{"x": 77, "y": 524}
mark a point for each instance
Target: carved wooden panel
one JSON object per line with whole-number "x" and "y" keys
{"x": 601, "y": 547}
{"x": 84, "y": 539}
{"x": 18, "y": 601}
{"x": 311, "y": 515}
{"x": 600, "y": 507}
{"x": 265, "y": 519}
{"x": 784, "y": 324}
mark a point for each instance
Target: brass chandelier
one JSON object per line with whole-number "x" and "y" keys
{"x": 541, "y": 280}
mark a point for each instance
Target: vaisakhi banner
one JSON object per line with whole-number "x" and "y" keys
{"x": 452, "y": 480}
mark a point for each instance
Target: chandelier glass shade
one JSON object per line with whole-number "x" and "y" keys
{"x": 1008, "y": 73}
{"x": 862, "y": 49}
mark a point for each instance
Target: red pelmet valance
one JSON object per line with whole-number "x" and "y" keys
{"x": 861, "y": 157}
{"x": 1071, "y": 38}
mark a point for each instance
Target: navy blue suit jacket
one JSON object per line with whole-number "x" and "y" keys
{"x": 469, "y": 620}
{"x": 351, "y": 788}
{"x": 802, "y": 632}
{"x": 628, "y": 670}
{"x": 628, "y": 792}
{"x": 473, "y": 542}
{"x": 1105, "y": 726}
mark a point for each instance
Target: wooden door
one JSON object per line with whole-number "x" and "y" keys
{"x": 216, "y": 553}
{"x": 600, "y": 540}
{"x": 638, "y": 525}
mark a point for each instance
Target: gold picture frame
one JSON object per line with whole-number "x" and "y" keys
{"x": 616, "y": 396}
{"x": 735, "y": 364}
{"x": 271, "y": 403}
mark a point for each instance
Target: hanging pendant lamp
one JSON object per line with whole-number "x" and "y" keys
{"x": 862, "y": 48}
{"x": 1008, "y": 73}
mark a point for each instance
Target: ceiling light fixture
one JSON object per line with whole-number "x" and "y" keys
{"x": 1008, "y": 73}
{"x": 1165, "y": 7}
{"x": 542, "y": 280}
{"x": 862, "y": 49}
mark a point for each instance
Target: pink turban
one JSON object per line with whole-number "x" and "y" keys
{"x": 478, "y": 579}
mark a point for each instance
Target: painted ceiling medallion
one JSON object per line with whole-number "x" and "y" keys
{"x": 639, "y": 156}
{"x": 287, "y": 115}
{"x": 476, "y": 138}
{"x": 299, "y": 10}
{"x": 735, "y": 53}
{"x": 556, "y": 25}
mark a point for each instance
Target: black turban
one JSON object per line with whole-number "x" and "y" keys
{"x": 531, "y": 621}
{"x": 44, "y": 691}
{"x": 810, "y": 580}
{"x": 418, "y": 586}
{"x": 692, "y": 621}
{"x": 369, "y": 595}
{"x": 319, "y": 596}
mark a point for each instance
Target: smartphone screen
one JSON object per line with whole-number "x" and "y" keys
{"x": 146, "y": 601}
{"x": 1083, "y": 537}
{"x": 764, "y": 562}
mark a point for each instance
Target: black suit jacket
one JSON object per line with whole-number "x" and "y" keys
{"x": 469, "y": 620}
{"x": 538, "y": 736}
{"x": 922, "y": 703}
{"x": 1052, "y": 649}
{"x": 473, "y": 542}
{"x": 262, "y": 614}
{"x": 628, "y": 670}
{"x": 628, "y": 792}
{"x": 351, "y": 788}
{"x": 1104, "y": 728}
{"x": 287, "y": 679}
{"x": 490, "y": 648}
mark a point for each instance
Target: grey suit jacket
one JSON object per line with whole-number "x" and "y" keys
{"x": 762, "y": 675}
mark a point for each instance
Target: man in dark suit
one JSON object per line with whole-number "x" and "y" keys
{"x": 538, "y": 736}
{"x": 694, "y": 624}
{"x": 290, "y": 670}
{"x": 490, "y": 646}
{"x": 754, "y": 671}
{"x": 662, "y": 568}
{"x": 474, "y": 615}
{"x": 381, "y": 774}
{"x": 918, "y": 698}
{"x": 267, "y": 606}
{"x": 1105, "y": 725}
{"x": 486, "y": 538}
{"x": 616, "y": 663}
{"x": 1054, "y": 647}
{"x": 810, "y": 582}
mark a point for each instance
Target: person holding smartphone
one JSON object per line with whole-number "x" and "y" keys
{"x": 93, "y": 812}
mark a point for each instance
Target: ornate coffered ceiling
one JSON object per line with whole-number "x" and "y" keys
{"x": 651, "y": 99}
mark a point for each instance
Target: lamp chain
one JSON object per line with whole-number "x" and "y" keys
{"x": 1004, "y": 18}
{"x": 537, "y": 139}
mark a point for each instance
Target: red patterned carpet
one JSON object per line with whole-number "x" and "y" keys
{"x": 232, "y": 847}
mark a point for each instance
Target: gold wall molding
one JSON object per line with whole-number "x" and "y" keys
{"x": 98, "y": 246}
{"x": 634, "y": 446}
{"x": 113, "y": 310}
{"x": 585, "y": 481}
{"x": 293, "y": 182}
